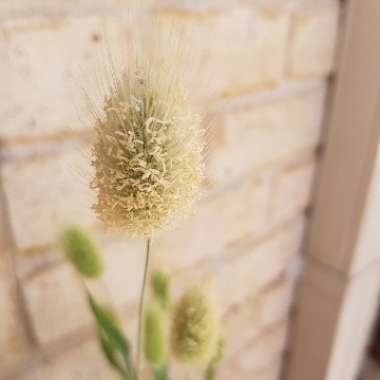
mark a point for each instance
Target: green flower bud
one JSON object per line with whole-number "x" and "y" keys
{"x": 195, "y": 328}
{"x": 160, "y": 287}
{"x": 155, "y": 346}
{"x": 82, "y": 252}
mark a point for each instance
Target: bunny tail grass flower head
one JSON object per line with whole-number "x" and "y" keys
{"x": 147, "y": 153}
{"x": 195, "y": 328}
{"x": 81, "y": 250}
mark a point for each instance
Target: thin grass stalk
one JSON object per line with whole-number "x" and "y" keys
{"x": 141, "y": 306}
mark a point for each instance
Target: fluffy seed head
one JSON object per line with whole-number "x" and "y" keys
{"x": 155, "y": 345}
{"x": 195, "y": 328}
{"x": 147, "y": 154}
{"x": 81, "y": 250}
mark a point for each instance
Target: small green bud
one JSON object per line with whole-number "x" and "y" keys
{"x": 155, "y": 346}
{"x": 82, "y": 252}
{"x": 161, "y": 292}
{"x": 195, "y": 328}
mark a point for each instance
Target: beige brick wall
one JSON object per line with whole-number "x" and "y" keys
{"x": 263, "y": 81}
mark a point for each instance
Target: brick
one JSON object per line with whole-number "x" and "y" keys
{"x": 124, "y": 269}
{"x": 13, "y": 341}
{"x": 10, "y": 9}
{"x": 257, "y": 267}
{"x": 56, "y": 303}
{"x": 248, "y": 139}
{"x": 313, "y": 38}
{"x": 256, "y": 356}
{"x": 251, "y": 267}
{"x": 291, "y": 192}
{"x": 214, "y": 71}
{"x": 46, "y": 193}
{"x": 225, "y": 219}
{"x": 259, "y": 313}
{"x": 274, "y": 303}
{"x": 263, "y": 350}
{"x": 272, "y": 372}
{"x": 83, "y": 362}
{"x": 236, "y": 322}
{"x": 47, "y": 62}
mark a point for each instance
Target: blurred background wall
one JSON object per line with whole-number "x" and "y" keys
{"x": 271, "y": 62}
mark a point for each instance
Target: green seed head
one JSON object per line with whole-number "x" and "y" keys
{"x": 155, "y": 345}
{"x": 160, "y": 287}
{"x": 195, "y": 328}
{"x": 82, "y": 252}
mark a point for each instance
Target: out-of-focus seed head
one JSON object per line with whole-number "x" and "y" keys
{"x": 82, "y": 251}
{"x": 195, "y": 328}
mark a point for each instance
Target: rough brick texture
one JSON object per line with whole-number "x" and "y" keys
{"x": 60, "y": 287}
{"x": 13, "y": 342}
{"x": 57, "y": 194}
{"x": 257, "y": 356}
{"x": 259, "y": 70}
{"x": 247, "y": 139}
{"x": 85, "y": 362}
{"x": 312, "y": 38}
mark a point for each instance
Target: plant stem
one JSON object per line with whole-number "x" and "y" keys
{"x": 160, "y": 373}
{"x": 209, "y": 373}
{"x": 141, "y": 306}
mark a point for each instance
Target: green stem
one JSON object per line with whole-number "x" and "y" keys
{"x": 141, "y": 306}
{"x": 209, "y": 373}
{"x": 161, "y": 373}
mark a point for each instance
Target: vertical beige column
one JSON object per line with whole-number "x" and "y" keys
{"x": 339, "y": 290}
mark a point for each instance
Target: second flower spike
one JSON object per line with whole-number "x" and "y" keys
{"x": 195, "y": 328}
